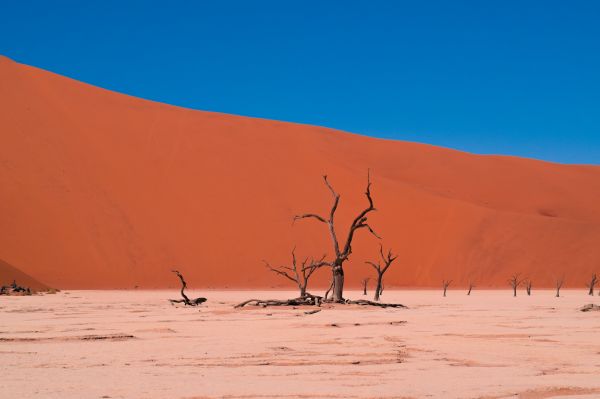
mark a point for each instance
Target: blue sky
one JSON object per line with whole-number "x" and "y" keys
{"x": 492, "y": 77}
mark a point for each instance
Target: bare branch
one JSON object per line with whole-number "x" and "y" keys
{"x": 336, "y": 199}
{"x": 310, "y": 215}
{"x": 279, "y": 271}
{"x": 376, "y": 266}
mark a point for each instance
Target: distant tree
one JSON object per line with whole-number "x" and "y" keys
{"x": 381, "y": 267}
{"x": 592, "y": 284}
{"x": 365, "y": 281}
{"x": 528, "y": 287}
{"x": 445, "y": 285}
{"x": 341, "y": 253}
{"x": 299, "y": 274}
{"x": 471, "y": 286}
{"x": 515, "y": 281}
{"x": 559, "y": 284}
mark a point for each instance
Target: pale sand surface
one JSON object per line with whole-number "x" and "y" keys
{"x": 134, "y": 344}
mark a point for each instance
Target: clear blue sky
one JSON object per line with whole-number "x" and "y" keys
{"x": 500, "y": 77}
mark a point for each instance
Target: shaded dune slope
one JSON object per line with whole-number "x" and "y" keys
{"x": 9, "y": 273}
{"x": 104, "y": 190}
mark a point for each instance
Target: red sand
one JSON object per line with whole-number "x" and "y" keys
{"x": 103, "y": 190}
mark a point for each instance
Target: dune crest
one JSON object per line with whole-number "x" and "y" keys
{"x": 104, "y": 190}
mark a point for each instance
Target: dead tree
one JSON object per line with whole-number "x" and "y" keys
{"x": 365, "y": 281}
{"x": 559, "y": 284}
{"x": 471, "y": 286}
{"x": 381, "y": 268}
{"x": 187, "y": 301}
{"x": 528, "y": 287}
{"x": 515, "y": 281}
{"x": 341, "y": 253}
{"x": 299, "y": 274}
{"x": 445, "y": 284}
{"x": 592, "y": 284}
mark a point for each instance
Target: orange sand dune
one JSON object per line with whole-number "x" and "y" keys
{"x": 99, "y": 190}
{"x": 9, "y": 273}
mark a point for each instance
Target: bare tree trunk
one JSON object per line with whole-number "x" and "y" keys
{"x": 559, "y": 284}
{"x": 378, "y": 288}
{"x": 302, "y": 291}
{"x": 470, "y": 288}
{"x": 365, "y": 282}
{"x": 446, "y": 283}
{"x": 592, "y": 284}
{"x": 338, "y": 283}
{"x": 514, "y": 290}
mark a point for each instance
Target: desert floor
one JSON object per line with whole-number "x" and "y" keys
{"x": 135, "y": 344}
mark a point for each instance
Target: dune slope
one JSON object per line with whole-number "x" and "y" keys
{"x": 9, "y": 273}
{"x": 104, "y": 190}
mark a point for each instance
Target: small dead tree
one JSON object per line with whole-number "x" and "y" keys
{"x": 515, "y": 281}
{"x": 381, "y": 267}
{"x": 471, "y": 286}
{"x": 592, "y": 284}
{"x": 559, "y": 284}
{"x": 341, "y": 253}
{"x": 326, "y": 296}
{"x": 528, "y": 287}
{"x": 299, "y": 274}
{"x": 186, "y": 300}
{"x": 365, "y": 281}
{"x": 445, "y": 285}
